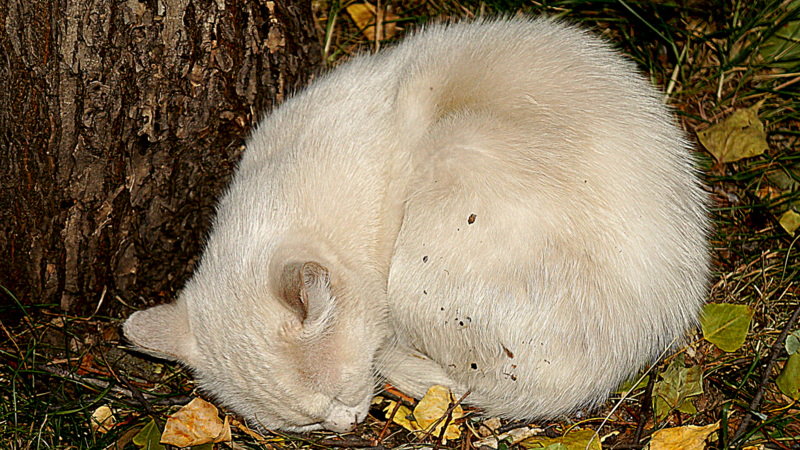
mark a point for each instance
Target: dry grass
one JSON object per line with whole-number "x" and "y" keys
{"x": 708, "y": 55}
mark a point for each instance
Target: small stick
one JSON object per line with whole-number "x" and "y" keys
{"x": 446, "y": 415}
{"x": 647, "y": 403}
{"x": 100, "y": 384}
{"x": 755, "y": 404}
{"x": 347, "y": 443}
{"x": 388, "y": 421}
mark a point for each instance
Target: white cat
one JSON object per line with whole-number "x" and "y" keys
{"x": 502, "y": 206}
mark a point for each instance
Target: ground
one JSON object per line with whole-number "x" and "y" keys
{"x": 712, "y": 58}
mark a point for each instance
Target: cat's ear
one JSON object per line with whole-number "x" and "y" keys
{"x": 306, "y": 289}
{"x": 163, "y": 331}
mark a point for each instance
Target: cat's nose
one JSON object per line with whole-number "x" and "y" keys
{"x": 344, "y": 418}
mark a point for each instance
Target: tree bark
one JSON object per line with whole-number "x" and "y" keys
{"x": 120, "y": 123}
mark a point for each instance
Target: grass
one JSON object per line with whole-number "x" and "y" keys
{"x": 712, "y": 57}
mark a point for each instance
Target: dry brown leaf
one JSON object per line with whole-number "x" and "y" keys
{"x": 489, "y": 427}
{"x": 768, "y": 193}
{"x": 365, "y": 15}
{"x": 689, "y": 437}
{"x": 103, "y": 419}
{"x": 196, "y": 423}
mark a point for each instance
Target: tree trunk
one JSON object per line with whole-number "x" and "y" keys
{"x": 120, "y": 123}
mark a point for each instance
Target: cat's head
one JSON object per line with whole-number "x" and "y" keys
{"x": 291, "y": 353}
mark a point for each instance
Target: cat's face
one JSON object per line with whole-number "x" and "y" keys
{"x": 293, "y": 357}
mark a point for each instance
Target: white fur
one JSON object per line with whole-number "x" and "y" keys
{"x": 585, "y": 258}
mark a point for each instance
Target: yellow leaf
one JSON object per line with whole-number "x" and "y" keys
{"x": 739, "y": 136}
{"x": 432, "y": 409}
{"x": 402, "y": 417}
{"x": 434, "y": 406}
{"x": 726, "y": 325}
{"x": 789, "y": 379}
{"x": 574, "y": 440}
{"x": 790, "y": 221}
{"x": 147, "y": 438}
{"x": 103, "y": 419}
{"x": 689, "y": 437}
{"x": 365, "y": 15}
{"x": 195, "y": 424}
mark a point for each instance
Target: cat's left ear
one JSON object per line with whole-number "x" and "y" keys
{"x": 163, "y": 331}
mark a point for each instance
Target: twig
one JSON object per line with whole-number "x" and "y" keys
{"x": 10, "y": 338}
{"x": 347, "y": 443}
{"x": 100, "y": 384}
{"x": 398, "y": 397}
{"x": 647, "y": 403}
{"x": 135, "y": 391}
{"x": 755, "y": 404}
{"x": 397, "y": 405}
{"x": 596, "y": 434}
{"x": 440, "y": 439}
{"x": 512, "y": 426}
{"x": 138, "y": 395}
{"x": 449, "y": 416}
{"x": 446, "y": 414}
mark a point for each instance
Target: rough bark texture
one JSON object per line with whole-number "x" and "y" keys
{"x": 120, "y": 123}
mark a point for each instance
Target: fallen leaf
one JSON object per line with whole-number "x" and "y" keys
{"x": 103, "y": 419}
{"x": 726, "y": 325}
{"x": 789, "y": 379}
{"x": 574, "y": 440}
{"x": 148, "y": 438}
{"x": 792, "y": 343}
{"x": 127, "y": 438}
{"x": 209, "y": 446}
{"x": 254, "y": 435}
{"x": 790, "y": 221}
{"x": 489, "y": 427}
{"x": 365, "y": 15}
{"x": 434, "y": 406}
{"x": 628, "y": 385}
{"x": 676, "y": 387}
{"x": 687, "y": 407}
{"x": 741, "y": 135}
{"x": 785, "y": 177}
{"x": 402, "y": 416}
{"x": 782, "y": 49}
{"x": 429, "y": 410}
{"x": 689, "y": 437}
{"x": 768, "y": 193}
{"x": 194, "y": 424}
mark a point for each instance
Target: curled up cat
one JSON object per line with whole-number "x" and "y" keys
{"x": 500, "y": 206}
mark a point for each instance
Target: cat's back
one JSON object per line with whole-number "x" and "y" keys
{"x": 553, "y": 195}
